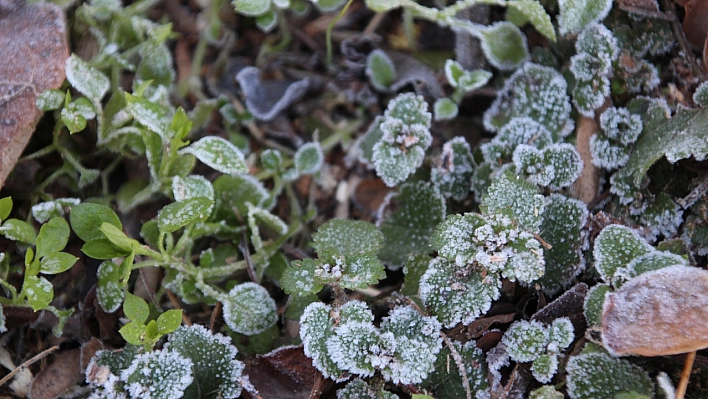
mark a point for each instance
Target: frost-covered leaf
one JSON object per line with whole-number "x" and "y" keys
{"x": 161, "y": 374}
{"x": 562, "y": 228}
{"x": 544, "y": 368}
{"x": 52, "y": 236}
{"x": 682, "y": 136}
{"x": 3, "y": 327}
{"x": 382, "y": 5}
{"x": 179, "y": 214}
{"x": 365, "y": 144}
{"x": 533, "y": 12}
{"x": 309, "y": 158}
{"x": 662, "y": 217}
{"x": 413, "y": 270}
{"x": 453, "y": 237}
{"x": 155, "y": 65}
{"x": 453, "y": 174}
{"x": 150, "y": 114}
{"x": 575, "y": 15}
{"x": 536, "y": 92}
{"x": 700, "y": 96}
{"x": 87, "y": 80}
{"x": 446, "y": 379}
{"x": 301, "y": 278}
{"x": 57, "y": 262}
{"x": 504, "y": 45}
{"x": 380, "y": 70}
{"x": 594, "y": 303}
{"x": 251, "y": 8}
{"x": 192, "y": 186}
{"x": 473, "y": 80}
{"x": 49, "y": 209}
{"x": 417, "y": 343}
{"x": 453, "y": 72}
{"x": 232, "y": 194}
{"x": 598, "y": 375}
{"x": 18, "y": 230}
{"x": 456, "y": 299}
{"x": 266, "y": 22}
{"x": 360, "y": 348}
{"x": 546, "y": 392}
{"x": 109, "y": 292}
{"x": 258, "y": 216}
{"x": 598, "y": 42}
{"x": 359, "y": 389}
{"x": 39, "y": 292}
{"x": 219, "y": 154}
{"x": 589, "y": 95}
{"x": 249, "y": 309}
{"x": 444, "y": 109}
{"x": 615, "y": 247}
{"x": 606, "y": 154}
{"x": 565, "y": 162}
{"x": 560, "y": 335}
{"x": 407, "y": 231}
{"x": 316, "y": 327}
{"x": 621, "y": 126}
{"x": 525, "y": 340}
{"x": 514, "y": 194}
{"x": 216, "y": 371}
{"x": 340, "y": 237}
{"x": 50, "y": 100}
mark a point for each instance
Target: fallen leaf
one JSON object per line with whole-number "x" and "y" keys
{"x": 662, "y": 312}
{"x": 34, "y": 48}
{"x": 64, "y": 372}
{"x": 283, "y": 373}
{"x": 694, "y": 24}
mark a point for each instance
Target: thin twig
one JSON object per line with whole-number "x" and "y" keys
{"x": 374, "y": 23}
{"x": 460, "y": 364}
{"x": 685, "y": 374}
{"x": 247, "y": 257}
{"x": 175, "y": 304}
{"x": 694, "y": 195}
{"x": 24, "y": 365}
{"x": 214, "y": 315}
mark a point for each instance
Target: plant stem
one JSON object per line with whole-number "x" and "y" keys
{"x": 328, "y": 34}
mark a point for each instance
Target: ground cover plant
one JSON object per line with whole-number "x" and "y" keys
{"x": 353, "y": 199}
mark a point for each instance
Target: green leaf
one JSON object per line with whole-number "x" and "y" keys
{"x": 380, "y": 70}
{"x": 575, "y": 15}
{"x": 50, "y": 99}
{"x": 446, "y": 379}
{"x": 18, "y": 230}
{"x": 52, "y": 237}
{"x": 232, "y": 194}
{"x": 444, "y": 109}
{"x": 135, "y": 308}
{"x": 155, "y": 65}
{"x": 133, "y": 332}
{"x": 504, "y": 45}
{"x": 103, "y": 249}
{"x": 169, "y": 321}
{"x": 251, "y": 8}
{"x": 249, "y": 309}
{"x": 329, "y": 5}
{"x": 87, "y": 80}
{"x": 419, "y": 209}
{"x": 148, "y": 113}
{"x": 594, "y": 303}
{"x": 615, "y": 247}
{"x": 453, "y": 175}
{"x": 309, "y": 158}
{"x": 267, "y": 21}
{"x": 179, "y": 214}
{"x": 57, "y": 262}
{"x": 44, "y": 211}
{"x": 300, "y": 278}
{"x": 117, "y": 236}
{"x": 39, "y": 292}
{"x": 415, "y": 268}
{"x": 5, "y": 208}
{"x": 533, "y": 11}
{"x": 164, "y": 374}
{"x": 598, "y": 375}
{"x": 192, "y": 186}
{"x": 86, "y": 220}
{"x": 109, "y": 290}
{"x": 382, "y": 5}
{"x": 219, "y": 154}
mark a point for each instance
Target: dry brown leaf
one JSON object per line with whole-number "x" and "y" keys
{"x": 694, "y": 24}
{"x": 59, "y": 376}
{"x": 284, "y": 373}
{"x": 34, "y": 49}
{"x": 662, "y": 312}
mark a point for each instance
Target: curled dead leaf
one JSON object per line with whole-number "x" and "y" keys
{"x": 34, "y": 48}
{"x": 694, "y": 24}
{"x": 662, "y": 312}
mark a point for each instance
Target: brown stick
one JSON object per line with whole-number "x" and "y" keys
{"x": 24, "y": 365}
{"x": 685, "y": 374}
{"x": 175, "y": 304}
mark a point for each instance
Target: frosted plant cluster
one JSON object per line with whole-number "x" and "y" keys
{"x": 531, "y": 341}
{"x": 194, "y": 362}
{"x": 359, "y": 389}
{"x": 343, "y": 340}
{"x": 453, "y": 176}
{"x": 612, "y": 146}
{"x": 592, "y": 65}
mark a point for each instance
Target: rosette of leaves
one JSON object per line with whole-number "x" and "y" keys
{"x": 621, "y": 254}
{"x": 611, "y": 147}
{"x": 193, "y": 364}
{"x": 536, "y": 92}
{"x": 592, "y": 65}
{"x": 531, "y": 341}
{"x": 595, "y": 374}
{"x": 344, "y": 340}
{"x": 347, "y": 256}
{"x": 395, "y": 144}
{"x": 453, "y": 175}
{"x": 556, "y": 166}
